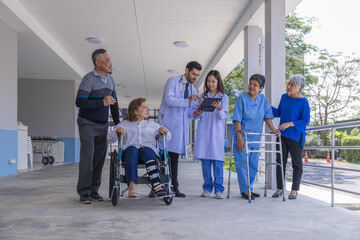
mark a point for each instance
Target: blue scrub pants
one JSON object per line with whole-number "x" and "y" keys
{"x": 241, "y": 169}
{"x": 132, "y": 156}
{"x": 218, "y": 175}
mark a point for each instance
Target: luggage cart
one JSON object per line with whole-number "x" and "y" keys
{"x": 43, "y": 145}
{"x": 267, "y": 164}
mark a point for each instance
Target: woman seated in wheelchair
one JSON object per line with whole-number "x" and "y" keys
{"x": 140, "y": 145}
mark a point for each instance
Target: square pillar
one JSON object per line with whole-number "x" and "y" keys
{"x": 251, "y": 53}
{"x": 274, "y": 65}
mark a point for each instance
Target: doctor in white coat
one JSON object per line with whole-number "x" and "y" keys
{"x": 178, "y": 98}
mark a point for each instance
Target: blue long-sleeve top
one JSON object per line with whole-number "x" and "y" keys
{"x": 297, "y": 111}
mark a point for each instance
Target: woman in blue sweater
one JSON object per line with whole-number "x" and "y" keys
{"x": 294, "y": 113}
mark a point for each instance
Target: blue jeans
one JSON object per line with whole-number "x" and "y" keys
{"x": 218, "y": 175}
{"x": 132, "y": 156}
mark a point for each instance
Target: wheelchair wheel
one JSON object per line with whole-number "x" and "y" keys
{"x": 115, "y": 197}
{"x": 112, "y": 172}
{"x": 45, "y": 160}
{"x": 51, "y": 160}
{"x": 168, "y": 200}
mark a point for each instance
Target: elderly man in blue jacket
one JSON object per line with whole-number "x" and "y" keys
{"x": 179, "y": 95}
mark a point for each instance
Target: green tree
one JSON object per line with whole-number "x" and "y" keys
{"x": 295, "y": 30}
{"x": 234, "y": 85}
{"x": 334, "y": 88}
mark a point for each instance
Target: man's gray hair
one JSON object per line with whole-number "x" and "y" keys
{"x": 299, "y": 81}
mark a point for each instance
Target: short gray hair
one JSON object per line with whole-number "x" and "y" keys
{"x": 298, "y": 80}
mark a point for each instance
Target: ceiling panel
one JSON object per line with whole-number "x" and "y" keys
{"x": 138, "y": 34}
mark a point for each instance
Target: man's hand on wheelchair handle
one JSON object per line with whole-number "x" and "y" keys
{"x": 120, "y": 131}
{"x": 162, "y": 131}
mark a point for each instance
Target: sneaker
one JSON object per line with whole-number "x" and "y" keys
{"x": 96, "y": 197}
{"x": 219, "y": 195}
{"x": 85, "y": 199}
{"x": 205, "y": 193}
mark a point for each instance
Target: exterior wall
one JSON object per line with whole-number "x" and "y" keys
{"x": 47, "y": 107}
{"x": 8, "y": 99}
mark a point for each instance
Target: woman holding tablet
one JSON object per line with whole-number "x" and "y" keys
{"x": 209, "y": 145}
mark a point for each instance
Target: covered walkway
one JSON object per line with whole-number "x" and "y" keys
{"x": 43, "y": 204}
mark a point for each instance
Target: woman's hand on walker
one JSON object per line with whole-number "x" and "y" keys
{"x": 277, "y": 132}
{"x": 240, "y": 144}
{"x": 198, "y": 113}
{"x": 120, "y": 131}
{"x": 162, "y": 131}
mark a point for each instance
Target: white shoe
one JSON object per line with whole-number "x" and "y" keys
{"x": 205, "y": 193}
{"x": 219, "y": 195}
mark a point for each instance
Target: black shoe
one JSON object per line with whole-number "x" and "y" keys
{"x": 96, "y": 197}
{"x": 85, "y": 199}
{"x": 292, "y": 197}
{"x": 276, "y": 195}
{"x": 246, "y": 196}
{"x": 152, "y": 194}
{"x": 255, "y": 195}
{"x": 179, "y": 194}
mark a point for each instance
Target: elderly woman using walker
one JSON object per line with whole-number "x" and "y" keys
{"x": 251, "y": 110}
{"x": 294, "y": 113}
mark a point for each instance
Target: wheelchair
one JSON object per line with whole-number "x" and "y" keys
{"x": 278, "y": 151}
{"x": 117, "y": 175}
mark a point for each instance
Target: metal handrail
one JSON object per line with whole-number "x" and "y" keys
{"x": 333, "y": 127}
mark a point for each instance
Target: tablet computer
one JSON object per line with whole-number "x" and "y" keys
{"x": 206, "y": 104}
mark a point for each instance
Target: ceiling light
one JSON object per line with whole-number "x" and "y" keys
{"x": 172, "y": 71}
{"x": 95, "y": 40}
{"x": 181, "y": 44}
{"x": 127, "y": 96}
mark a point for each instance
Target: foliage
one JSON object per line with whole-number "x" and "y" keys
{"x": 335, "y": 86}
{"x": 351, "y": 155}
{"x": 234, "y": 85}
{"x": 295, "y": 30}
{"x": 355, "y": 132}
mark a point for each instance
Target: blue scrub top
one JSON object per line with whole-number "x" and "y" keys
{"x": 294, "y": 110}
{"x": 251, "y": 114}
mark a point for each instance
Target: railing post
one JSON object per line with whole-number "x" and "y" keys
{"x": 332, "y": 165}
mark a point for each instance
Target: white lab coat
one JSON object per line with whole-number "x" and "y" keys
{"x": 174, "y": 114}
{"x": 210, "y": 131}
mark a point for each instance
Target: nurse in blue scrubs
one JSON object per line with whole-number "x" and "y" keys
{"x": 251, "y": 110}
{"x": 210, "y": 134}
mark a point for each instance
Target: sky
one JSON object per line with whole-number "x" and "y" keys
{"x": 337, "y": 26}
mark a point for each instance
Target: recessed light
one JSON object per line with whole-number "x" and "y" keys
{"x": 127, "y": 96}
{"x": 95, "y": 40}
{"x": 181, "y": 44}
{"x": 172, "y": 71}
{"x": 120, "y": 85}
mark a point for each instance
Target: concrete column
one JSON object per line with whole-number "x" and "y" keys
{"x": 8, "y": 100}
{"x": 274, "y": 63}
{"x": 251, "y": 53}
